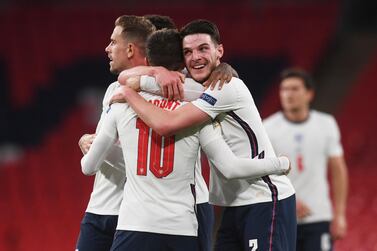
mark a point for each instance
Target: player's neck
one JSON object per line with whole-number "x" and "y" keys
{"x": 297, "y": 116}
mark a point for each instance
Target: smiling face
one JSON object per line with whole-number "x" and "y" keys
{"x": 201, "y": 55}
{"x": 117, "y": 51}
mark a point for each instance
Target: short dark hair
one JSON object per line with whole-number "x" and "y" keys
{"x": 164, "y": 48}
{"x": 301, "y": 74}
{"x": 136, "y": 29}
{"x": 202, "y": 26}
{"x": 161, "y": 22}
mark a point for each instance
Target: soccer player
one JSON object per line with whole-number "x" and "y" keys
{"x": 259, "y": 213}
{"x": 157, "y": 212}
{"x": 311, "y": 139}
{"x": 99, "y": 223}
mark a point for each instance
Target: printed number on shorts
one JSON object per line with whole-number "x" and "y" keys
{"x": 253, "y": 244}
{"x": 158, "y": 143}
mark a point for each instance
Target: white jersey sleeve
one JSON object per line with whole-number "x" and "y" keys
{"x": 213, "y": 102}
{"x": 192, "y": 89}
{"x": 232, "y": 167}
{"x": 334, "y": 147}
{"x": 101, "y": 146}
{"x": 115, "y": 156}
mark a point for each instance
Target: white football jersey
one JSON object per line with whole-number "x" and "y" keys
{"x": 242, "y": 129}
{"x": 107, "y": 192}
{"x": 159, "y": 195}
{"x": 108, "y": 184}
{"x": 192, "y": 90}
{"x": 308, "y": 145}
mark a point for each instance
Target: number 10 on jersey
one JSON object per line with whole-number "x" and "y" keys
{"x": 153, "y": 151}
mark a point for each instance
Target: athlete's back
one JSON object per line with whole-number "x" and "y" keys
{"x": 159, "y": 193}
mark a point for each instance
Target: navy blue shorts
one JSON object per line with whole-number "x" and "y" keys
{"x": 142, "y": 241}
{"x": 96, "y": 232}
{"x": 314, "y": 237}
{"x": 206, "y": 220}
{"x": 262, "y": 226}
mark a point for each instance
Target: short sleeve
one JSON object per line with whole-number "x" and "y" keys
{"x": 334, "y": 147}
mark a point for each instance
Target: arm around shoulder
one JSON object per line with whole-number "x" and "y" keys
{"x": 162, "y": 121}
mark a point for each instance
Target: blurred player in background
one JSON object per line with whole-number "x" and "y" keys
{"x": 311, "y": 140}
{"x": 126, "y": 49}
{"x": 259, "y": 213}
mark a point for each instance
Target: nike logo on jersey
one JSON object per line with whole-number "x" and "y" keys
{"x": 208, "y": 98}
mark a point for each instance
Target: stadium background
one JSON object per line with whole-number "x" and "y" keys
{"x": 53, "y": 73}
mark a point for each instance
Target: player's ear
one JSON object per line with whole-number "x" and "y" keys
{"x": 130, "y": 50}
{"x": 220, "y": 50}
{"x": 311, "y": 95}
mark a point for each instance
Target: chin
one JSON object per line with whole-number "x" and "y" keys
{"x": 114, "y": 71}
{"x": 200, "y": 77}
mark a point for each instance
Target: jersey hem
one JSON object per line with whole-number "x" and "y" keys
{"x": 102, "y": 212}
{"x": 157, "y": 231}
{"x": 249, "y": 202}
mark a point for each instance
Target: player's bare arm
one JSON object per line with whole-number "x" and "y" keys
{"x": 169, "y": 81}
{"x": 302, "y": 210}
{"x": 132, "y": 82}
{"x": 164, "y": 122}
{"x": 339, "y": 183}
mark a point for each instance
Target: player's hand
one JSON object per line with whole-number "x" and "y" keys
{"x": 302, "y": 210}
{"x": 171, "y": 83}
{"x": 286, "y": 160}
{"x": 85, "y": 142}
{"x": 222, "y": 74}
{"x": 338, "y": 227}
{"x": 118, "y": 96}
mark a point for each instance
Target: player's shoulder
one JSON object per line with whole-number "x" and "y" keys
{"x": 113, "y": 86}
{"x": 233, "y": 84}
{"x": 235, "y": 88}
{"x": 322, "y": 116}
{"x": 117, "y": 108}
{"x": 274, "y": 118}
{"x": 236, "y": 81}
